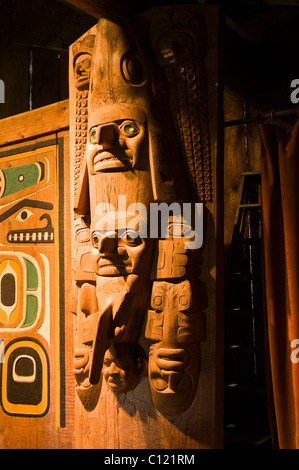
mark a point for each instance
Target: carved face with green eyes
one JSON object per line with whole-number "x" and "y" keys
{"x": 117, "y": 146}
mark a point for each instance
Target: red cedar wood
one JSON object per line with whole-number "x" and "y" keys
{"x": 40, "y": 121}
{"x": 200, "y": 426}
{"x": 26, "y": 129}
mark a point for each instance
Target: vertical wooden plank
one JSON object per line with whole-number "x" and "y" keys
{"x": 63, "y": 75}
{"x": 35, "y": 313}
{"x": 47, "y": 29}
{"x": 46, "y": 77}
{"x": 28, "y": 251}
{"x": 66, "y": 388}
{"x": 15, "y": 74}
{"x": 242, "y": 153}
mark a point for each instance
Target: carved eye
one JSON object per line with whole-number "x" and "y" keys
{"x": 132, "y": 237}
{"x": 107, "y": 362}
{"x": 24, "y": 215}
{"x": 159, "y": 384}
{"x": 86, "y": 63}
{"x": 93, "y": 136}
{"x": 95, "y": 239}
{"x": 158, "y": 301}
{"x": 129, "y": 128}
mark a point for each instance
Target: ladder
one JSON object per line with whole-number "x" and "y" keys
{"x": 245, "y": 397}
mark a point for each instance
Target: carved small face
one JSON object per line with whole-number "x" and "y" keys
{"x": 118, "y": 145}
{"x": 119, "y": 368}
{"x": 173, "y": 376}
{"x": 82, "y": 70}
{"x": 116, "y": 251}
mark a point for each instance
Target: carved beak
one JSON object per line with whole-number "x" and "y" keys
{"x": 100, "y": 345}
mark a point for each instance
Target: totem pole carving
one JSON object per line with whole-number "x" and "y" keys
{"x": 124, "y": 276}
{"x": 180, "y": 42}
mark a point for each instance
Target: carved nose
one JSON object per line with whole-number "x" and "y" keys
{"x": 114, "y": 372}
{"x": 108, "y": 243}
{"x": 107, "y": 137}
{"x": 78, "y": 69}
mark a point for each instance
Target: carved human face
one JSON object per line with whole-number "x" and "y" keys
{"x": 173, "y": 376}
{"x": 82, "y": 70}
{"x": 119, "y": 144}
{"x": 118, "y": 249}
{"x": 122, "y": 368}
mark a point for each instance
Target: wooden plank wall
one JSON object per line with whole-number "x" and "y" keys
{"x": 242, "y": 153}
{"x": 34, "y": 42}
{"x": 47, "y": 423}
{"x": 39, "y": 37}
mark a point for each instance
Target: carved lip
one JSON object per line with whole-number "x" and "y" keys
{"x": 110, "y": 267}
{"x": 82, "y": 77}
{"x": 115, "y": 383}
{"x": 106, "y": 160}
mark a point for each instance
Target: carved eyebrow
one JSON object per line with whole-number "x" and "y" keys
{"x": 25, "y": 203}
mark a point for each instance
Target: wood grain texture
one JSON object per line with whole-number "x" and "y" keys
{"x": 103, "y": 419}
{"x": 34, "y": 52}
{"x": 105, "y": 8}
{"x": 15, "y": 64}
{"x": 54, "y": 429}
{"x": 242, "y": 153}
{"x": 24, "y": 126}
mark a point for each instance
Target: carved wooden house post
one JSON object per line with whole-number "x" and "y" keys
{"x": 144, "y": 155}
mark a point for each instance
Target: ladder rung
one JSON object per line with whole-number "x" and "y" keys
{"x": 243, "y": 311}
{"x": 251, "y": 173}
{"x": 245, "y": 388}
{"x": 245, "y": 349}
{"x": 250, "y": 206}
{"x": 247, "y": 241}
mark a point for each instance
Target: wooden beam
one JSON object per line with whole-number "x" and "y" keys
{"x": 39, "y": 121}
{"x": 105, "y": 8}
{"x": 92, "y": 8}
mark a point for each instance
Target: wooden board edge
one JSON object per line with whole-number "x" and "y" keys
{"x": 46, "y": 120}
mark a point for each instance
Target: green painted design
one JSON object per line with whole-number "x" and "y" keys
{"x": 20, "y": 177}
{"x": 32, "y": 278}
{"x": 31, "y": 310}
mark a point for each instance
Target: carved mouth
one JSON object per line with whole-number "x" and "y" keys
{"x": 106, "y": 160}
{"x": 115, "y": 382}
{"x": 114, "y": 270}
{"x": 108, "y": 267}
{"x": 82, "y": 77}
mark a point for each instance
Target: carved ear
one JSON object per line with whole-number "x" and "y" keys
{"x": 162, "y": 183}
{"x": 81, "y": 202}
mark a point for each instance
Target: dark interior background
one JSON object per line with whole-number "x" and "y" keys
{"x": 260, "y": 60}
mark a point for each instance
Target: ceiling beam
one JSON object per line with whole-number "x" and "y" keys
{"x": 103, "y": 8}
{"x": 92, "y": 7}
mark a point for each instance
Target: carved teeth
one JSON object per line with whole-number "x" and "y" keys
{"x": 42, "y": 237}
{"x": 105, "y": 156}
{"x": 113, "y": 158}
{"x": 115, "y": 265}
